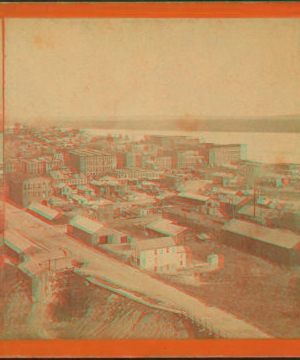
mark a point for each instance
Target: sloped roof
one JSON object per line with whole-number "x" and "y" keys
{"x": 51, "y": 255}
{"x": 45, "y": 211}
{"x": 157, "y": 243}
{"x": 17, "y": 242}
{"x": 86, "y": 224}
{"x": 205, "y": 236}
{"x": 282, "y": 238}
{"x": 195, "y": 196}
{"x": 166, "y": 227}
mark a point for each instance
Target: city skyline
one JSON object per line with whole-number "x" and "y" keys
{"x": 146, "y": 222}
{"x": 150, "y": 179}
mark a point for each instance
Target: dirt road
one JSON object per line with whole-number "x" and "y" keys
{"x": 132, "y": 279}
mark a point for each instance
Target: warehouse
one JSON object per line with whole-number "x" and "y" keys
{"x": 279, "y": 246}
{"x": 43, "y": 212}
{"x": 17, "y": 246}
{"x": 167, "y": 227}
{"x": 95, "y": 232}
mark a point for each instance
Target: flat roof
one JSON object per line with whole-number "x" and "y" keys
{"x": 282, "y": 238}
{"x": 225, "y": 145}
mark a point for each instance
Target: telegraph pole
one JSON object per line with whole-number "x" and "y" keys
{"x": 254, "y": 196}
{"x": 254, "y": 202}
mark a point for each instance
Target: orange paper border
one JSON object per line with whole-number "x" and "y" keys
{"x": 146, "y": 348}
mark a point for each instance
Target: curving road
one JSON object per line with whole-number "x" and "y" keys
{"x": 131, "y": 279}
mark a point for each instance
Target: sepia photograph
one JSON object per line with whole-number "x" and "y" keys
{"x": 150, "y": 181}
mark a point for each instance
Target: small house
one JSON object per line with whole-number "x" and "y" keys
{"x": 160, "y": 254}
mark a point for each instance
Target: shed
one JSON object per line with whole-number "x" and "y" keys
{"x": 45, "y": 212}
{"x": 18, "y": 246}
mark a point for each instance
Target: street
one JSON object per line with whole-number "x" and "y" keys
{"x": 129, "y": 278}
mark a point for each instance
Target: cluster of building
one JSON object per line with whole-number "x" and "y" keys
{"x": 38, "y": 265}
{"x": 156, "y": 194}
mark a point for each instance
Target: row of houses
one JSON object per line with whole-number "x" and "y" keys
{"x": 41, "y": 165}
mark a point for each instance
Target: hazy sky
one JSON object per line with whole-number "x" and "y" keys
{"x": 151, "y": 67}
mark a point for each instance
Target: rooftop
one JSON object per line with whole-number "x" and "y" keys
{"x": 20, "y": 177}
{"x": 195, "y": 196}
{"x": 44, "y": 211}
{"x": 167, "y": 227}
{"x": 86, "y": 224}
{"x": 157, "y": 243}
{"x": 17, "y": 242}
{"x": 282, "y": 238}
{"x": 89, "y": 152}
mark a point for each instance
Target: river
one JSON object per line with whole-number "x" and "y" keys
{"x": 261, "y": 146}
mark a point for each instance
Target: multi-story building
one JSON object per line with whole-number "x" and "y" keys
{"x": 93, "y": 162}
{"x": 33, "y": 166}
{"x": 64, "y": 178}
{"x": 131, "y": 160}
{"x": 140, "y": 148}
{"x": 286, "y": 169}
{"x": 253, "y": 167}
{"x": 25, "y": 189}
{"x": 138, "y": 174}
{"x": 164, "y": 161}
{"x": 186, "y": 159}
{"x": 173, "y": 141}
{"x": 225, "y": 154}
{"x": 182, "y": 159}
{"x": 160, "y": 254}
{"x": 13, "y": 166}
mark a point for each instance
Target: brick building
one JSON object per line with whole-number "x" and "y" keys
{"x": 225, "y": 154}
{"x": 25, "y": 189}
{"x": 93, "y": 162}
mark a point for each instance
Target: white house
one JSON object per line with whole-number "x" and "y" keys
{"x": 160, "y": 254}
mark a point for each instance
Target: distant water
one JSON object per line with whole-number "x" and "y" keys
{"x": 265, "y": 147}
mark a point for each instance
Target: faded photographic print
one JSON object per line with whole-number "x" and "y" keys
{"x": 150, "y": 181}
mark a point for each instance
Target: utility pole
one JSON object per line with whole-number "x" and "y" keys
{"x": 254, "y": 193}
